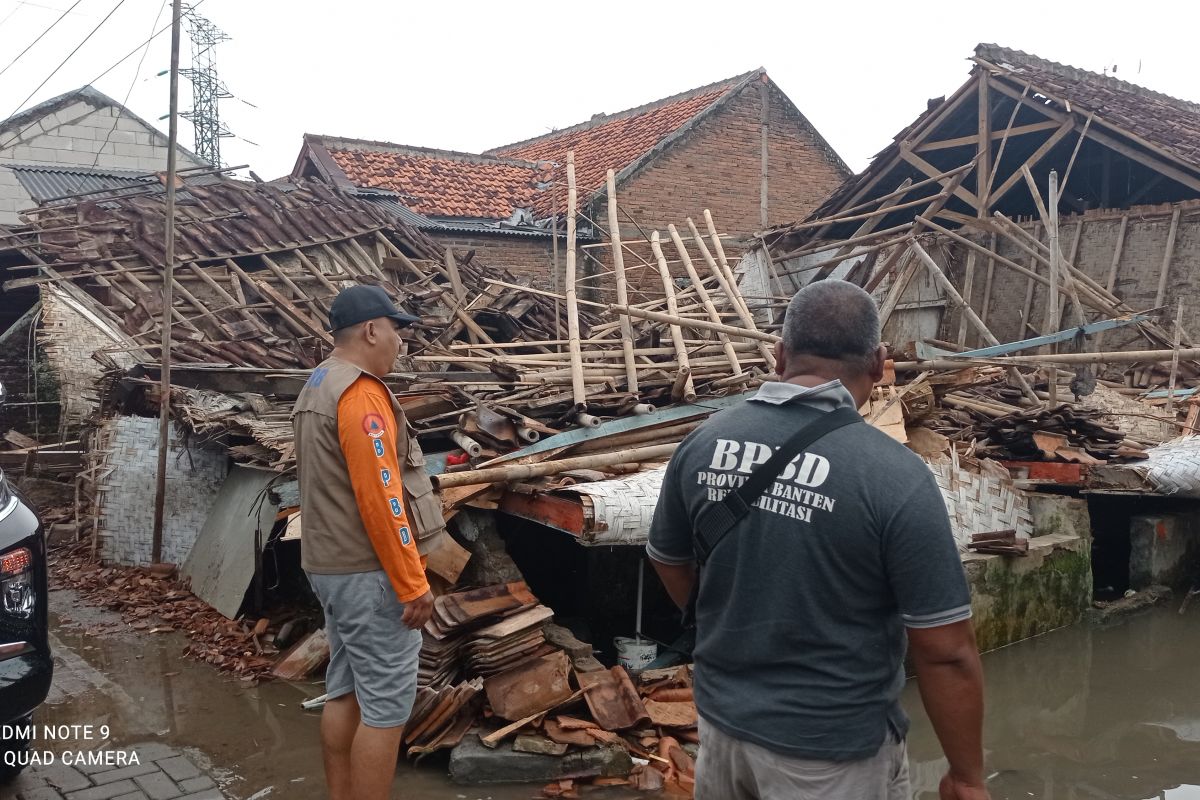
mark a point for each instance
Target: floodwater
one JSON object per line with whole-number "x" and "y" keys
{"x": 1087, "y": 712}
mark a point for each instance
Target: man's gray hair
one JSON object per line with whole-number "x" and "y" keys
{"x": 832, "y": 319}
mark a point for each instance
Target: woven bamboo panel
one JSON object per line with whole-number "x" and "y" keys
{"x": 979, "y": 503}
{"x": 1172, "y": 468}
{"x": 622, "y": 508}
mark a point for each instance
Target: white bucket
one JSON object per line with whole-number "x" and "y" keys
{"x": 634, "y": 654}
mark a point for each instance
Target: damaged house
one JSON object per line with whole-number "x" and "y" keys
{"x": 740, "y": 148}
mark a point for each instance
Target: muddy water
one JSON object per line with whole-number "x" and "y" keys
{"x": 1087, "y": 712}
{"x": 1106, "y": 713}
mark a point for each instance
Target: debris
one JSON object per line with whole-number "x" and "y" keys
{"x": 535, "y": 686}
{"x": 612, "y": 699}
{"x": 303, "y": 658}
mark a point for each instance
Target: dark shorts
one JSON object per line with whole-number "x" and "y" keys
{"x": 371, "y": 652}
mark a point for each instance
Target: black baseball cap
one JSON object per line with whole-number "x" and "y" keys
{"x": 361, "y": 303}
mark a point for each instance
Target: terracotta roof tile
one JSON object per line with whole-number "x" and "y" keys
{"x": 613, "y": 143}
{"x": 438, "y": 183}
{"x": 1162, "y": 120}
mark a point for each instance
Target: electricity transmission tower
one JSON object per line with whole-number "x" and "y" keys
{"x": 207, "y": 89}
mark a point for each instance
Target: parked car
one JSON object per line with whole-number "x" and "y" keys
{"x": 25, "y": 663}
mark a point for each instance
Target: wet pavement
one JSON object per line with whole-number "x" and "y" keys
{"x": 1086, "y": 712}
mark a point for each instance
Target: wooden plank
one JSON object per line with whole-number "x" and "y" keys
{"x": 311, "y": 326}
{"x": 1165, "y": 270}
{"x": 983, "y": 156}
{"x": 554, "y": 511}
{"x": 1113, "y": 265}
{"x": 449, "y": 560}
{"x": 578, "y": 390}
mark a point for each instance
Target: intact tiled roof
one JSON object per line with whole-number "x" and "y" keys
{"x": 613, "y": 141}
{"x": 1162, "y": 120}
{"x": 438, "y": 183}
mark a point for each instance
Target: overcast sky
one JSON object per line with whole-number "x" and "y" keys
{"x": 470, "y": 76}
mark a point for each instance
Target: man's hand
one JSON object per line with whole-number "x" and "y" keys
{"x": 417, "y": 612}
{"x": 953, "y": 789}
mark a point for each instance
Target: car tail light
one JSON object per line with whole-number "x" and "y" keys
{"x": 16, "y": 583}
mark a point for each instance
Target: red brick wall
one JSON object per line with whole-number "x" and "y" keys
{"x": 717, "y": 166}
{"x": 528, "y": 257}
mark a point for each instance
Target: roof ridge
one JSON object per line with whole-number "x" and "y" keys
{"x": 407, "y": 149}
{"x": 604, "y": 119}
{"x": 990, "y": 51}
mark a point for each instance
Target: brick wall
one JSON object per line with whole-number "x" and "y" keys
{"x": 1137, "y": 274}
{"x": 718, "y": 166}
{"x": 128, "y": 446}
{"x": 528, "y": 257}
{"x": 80, "y": 136}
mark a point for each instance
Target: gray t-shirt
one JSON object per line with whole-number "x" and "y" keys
{"x": 802, "y": 607}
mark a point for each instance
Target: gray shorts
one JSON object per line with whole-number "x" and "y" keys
{"x": 730, "y": 769}
{"x": 371, "y": 653}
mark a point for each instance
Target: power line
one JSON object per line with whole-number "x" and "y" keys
{"x": 69, "y": 55}
{"x": 125, "y": 102}
{"x": 96, "y": 79}
{"x": 40, "y": 36}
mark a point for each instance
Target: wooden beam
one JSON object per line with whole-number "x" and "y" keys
{"x": 863, "y": 230}
{"x": 290, "y": 311}
{"x": 1032, "y": 161}
{"x": 963, "y": 141}
{"x": 930, "y": 170}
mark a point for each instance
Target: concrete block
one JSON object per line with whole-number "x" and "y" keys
{"x": 472, "y": 763}
{"x": 127, "y": 148}
{"x": 153, "y": 751}
{"x": 39, "y": 793}
{"x": 1054, "y": 513}
{"x": 133, "y": 796}
{"x": 1015, "y": 598}
{"x": 158, "y": 786}
{"x": 77, "y": 131}
{"x": 105, "y": 792}
{"x": 197, "y": 784}
{"x": 126, "y": 124}
{"x": 122, "y": 162}
{"x": 54, "y": 142}
{"x": 151, "y": 164}
{"x": 1163, "y": 549}
{"x": 179, "y": 768}
{"x": 78, "y": 157}
{"x": 120, "y": 773}
{"x": 64, "y": 777}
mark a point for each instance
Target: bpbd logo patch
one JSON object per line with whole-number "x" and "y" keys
{"x": 373, "y": 426}
{"x": 385, "y": 475}
{"x": 397, "y": 509}
{"x": 405, "y": 536}
{"x": 317, "y": 376}
{"x": 378, "y": 444}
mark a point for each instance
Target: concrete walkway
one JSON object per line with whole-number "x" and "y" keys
{"x": 163, "y": 773}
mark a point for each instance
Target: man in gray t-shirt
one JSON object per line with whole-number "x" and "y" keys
{"x": 804, "y": 606}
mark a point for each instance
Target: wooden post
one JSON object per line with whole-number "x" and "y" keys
{"x": 983, "y": 164}
{"x": 1161, "y": 294}
{"x": 1112, "y": 267}
{"x": 968, "y": 286}
{"x": 687, "y": 392}
{"x": 987, "y": 284}
{"x": 164, "y": 389}
{"x": 705, "y": 300}
{"x": 614, "y": 236}
{"x": 578, "y": 390}
{"x": 1055, "y": 269}
{"x": 1175, "y": 360}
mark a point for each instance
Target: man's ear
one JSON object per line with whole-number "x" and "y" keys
{"x": 369, "y": 332}
{"x": 780, "y": 358}
{"x": 877, "y": 364}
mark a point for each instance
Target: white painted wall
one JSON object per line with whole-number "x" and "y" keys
{"x": 80, "y": 135}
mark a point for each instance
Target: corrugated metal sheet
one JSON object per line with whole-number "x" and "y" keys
{"x": 49, "y": 183}
{"x": 390, "y": 204}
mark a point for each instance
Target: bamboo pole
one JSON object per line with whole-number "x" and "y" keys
{"x": 940, "y": 278}
{"x": 987, "y": 284}
{"x": 1113, "y": 266}
{"x": 1175, "y": 360}
{"x": 699, "y": 324}
{"x": 723, "y": 263}
{"x": 705, "y": 300}
{"x": 614, "y": 235}
{"x": 516, "y": 472}
{"x": 1161, "y": 294}
{"x": 686, "y": 390}
{"x": 732, "y": 295}
{"x": 578, "y": 391}
{"x": 1052, "y": 319}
